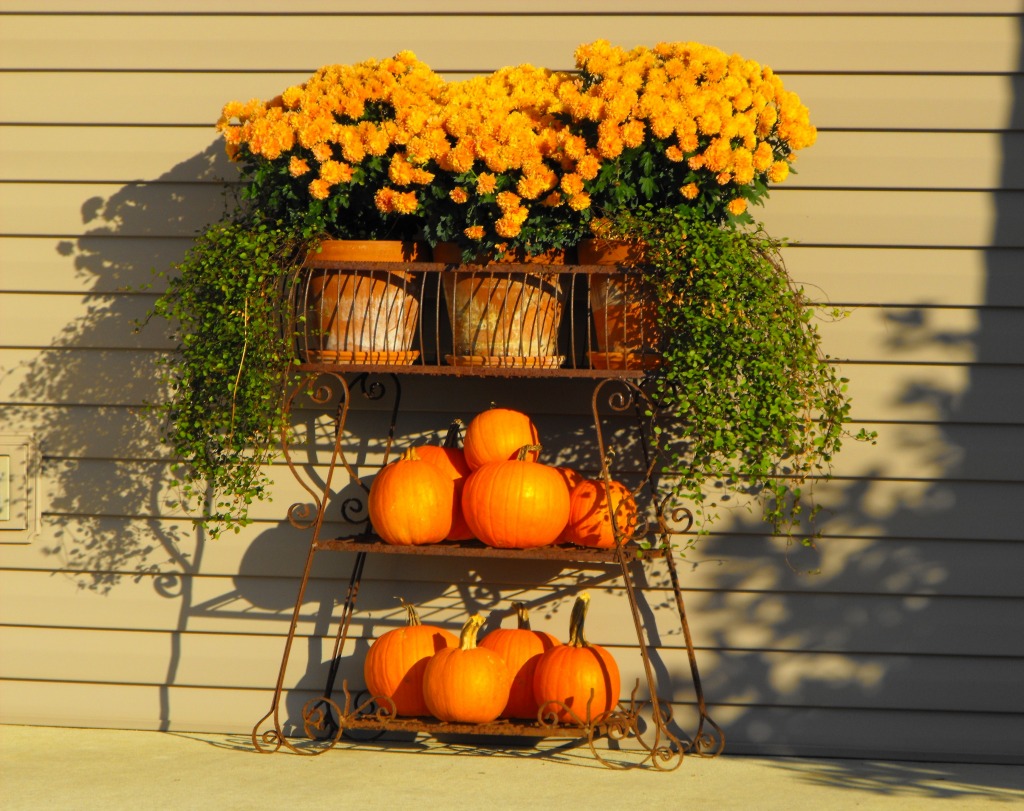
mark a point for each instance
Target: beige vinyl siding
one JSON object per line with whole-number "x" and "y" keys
{"x": 907, "y": 211}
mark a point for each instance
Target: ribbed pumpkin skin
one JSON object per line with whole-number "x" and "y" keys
{"x": 516, "y": 504}
{"x": 590, "y": 522}
{"x": 466, "y": 684}
{"x": 520, "y": 649}
{"x": 410, "y": 502}
{"x": 572, "y": 479}
{"x": 497, "y": 435}
{"x": 395, "y": 664}
{"x": 568, "y": 673}
{"x": 451, "y": 462}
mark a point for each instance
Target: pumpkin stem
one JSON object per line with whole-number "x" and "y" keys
{"x": 521, "y": 454}
{"x": 410, "y": 454}
{"x": 410, "y": 611}
{"x": 454, "y": 434}
{"x": 522, "y": 615}
{"x": 467, "y": 639}
{"x": 576, "y": 619}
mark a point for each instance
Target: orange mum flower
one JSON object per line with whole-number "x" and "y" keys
{"x": 486, "y": 183}
{"x": 778, "y": 171}
{"x": 737, "y": 206}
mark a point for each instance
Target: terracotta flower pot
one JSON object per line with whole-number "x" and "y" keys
{"x": 359, "y": 316}
{"x": 500, "y": 317}
{"x": 624, "y": 309}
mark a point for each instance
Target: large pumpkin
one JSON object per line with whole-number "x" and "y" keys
{"x": 410, "y": 502}
{"x": 496, "y": 435}
{"x": 396, "y": 661}
{"x": 569, "y": 673}
{"x": 591, "y": 511}
{"x": 516, "y": 504}
{"x": 452, "y": 463}
{"x": 520, "y": 648}
{"x": 466, "y": 684}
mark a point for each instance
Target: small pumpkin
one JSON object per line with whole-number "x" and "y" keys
{"x": 591, "y": 511}
{"x": 397, "y": 659}
{"x": 466, "y": 684}
{"x": 516, "y": 504}
{"x": 571, "y": 478}
{"x": 520, "y": 648}
{"x": 568, "y": 673}
{"x": 496, "y": 435}
{"x": 451, "y": 460}
{"x": 410, "y": 502}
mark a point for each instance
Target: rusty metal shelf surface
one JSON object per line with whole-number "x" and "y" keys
{"x": 374, "y": 545}
{"x": 425, "y": 368}
{"x": 501, "y": 727}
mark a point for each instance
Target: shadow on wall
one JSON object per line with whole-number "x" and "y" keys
{"x": 109, "y": 512}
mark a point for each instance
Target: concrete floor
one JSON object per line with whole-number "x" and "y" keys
{"x": 83, "y": 769}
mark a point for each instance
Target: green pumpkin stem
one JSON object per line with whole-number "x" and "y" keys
{"x": 576, "y": 620}
{"x": 521, "y": 454}
{"x": 522, "y": 616}
{"x": 410, "y": 610}
{"x": 467, "y": 639}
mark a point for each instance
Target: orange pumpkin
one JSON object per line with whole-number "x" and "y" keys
{"x": 571, "y": 478}
{"x": 410, "y": 502}
{"x": 516, "y": 504}
{"x": 590, "y": 517}
{"x": 568, "y": 674}
{"x": 466, "y": 684}
{"x": 452, "y": 463}
{"x": 497, "y": 435}
{"x": 520, "y": 648}
{"x": 396, "y": 661}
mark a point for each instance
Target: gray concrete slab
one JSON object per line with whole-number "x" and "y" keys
{"x": 83, "y": 769}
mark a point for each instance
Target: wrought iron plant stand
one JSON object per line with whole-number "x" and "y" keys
{"x": 643, "y": 727}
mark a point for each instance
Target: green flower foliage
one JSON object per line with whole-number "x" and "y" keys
{"x": 224, "y": 418}
{"x": 756, "y": 406}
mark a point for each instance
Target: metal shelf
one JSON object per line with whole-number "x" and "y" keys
{"x": 332, "y": 386}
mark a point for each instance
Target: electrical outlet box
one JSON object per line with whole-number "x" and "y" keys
{"x": 19, "y": 488}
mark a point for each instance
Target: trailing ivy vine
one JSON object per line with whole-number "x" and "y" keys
{"x": 227, "y": 377}
{"x": 756, "y": 406}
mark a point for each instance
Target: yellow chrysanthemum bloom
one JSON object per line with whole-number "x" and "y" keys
{"x": 507, "y": 201}
{"x": 486, "y": 183}
{"x": 737, "y": 206}
{"x": 507, "y": 227}
{"x": 319, "y": 189}
{"x": 579, "y": 202}
{"x": 384, "y": 199}
{"x": 572, "y": 184}
{"x": 474, "y": 232}
{"x": 406, "y": 202}
{"x": 458, "y": 195}
{"x": 588, "y": 166}
{"x": 335, "y": 172}
{"x": 690, "y": 191}
{"x": 399, "y": 171}
{"x": 778, "y": 171}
